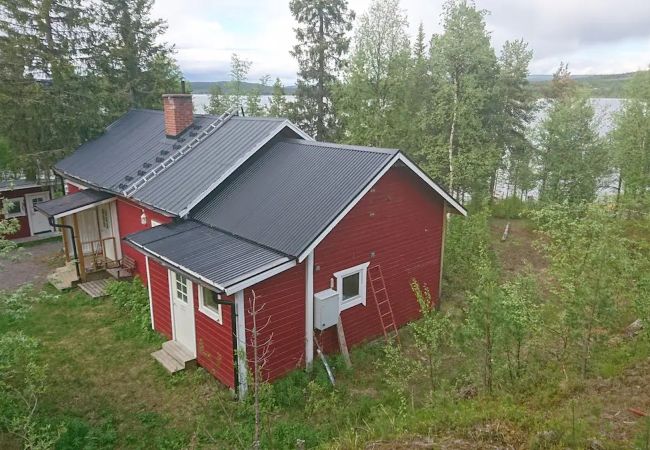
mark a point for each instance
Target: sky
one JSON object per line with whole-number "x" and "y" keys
{"x": 593, "y": 36}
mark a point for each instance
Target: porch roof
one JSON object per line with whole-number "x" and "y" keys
{"x": 208, "y": 255}
{"x": 73, "y": 203}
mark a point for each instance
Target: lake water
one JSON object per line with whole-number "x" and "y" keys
{"x": 604, "y": 108}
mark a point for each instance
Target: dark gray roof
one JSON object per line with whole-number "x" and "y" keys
{"x": 205, "y": 253}
{"x": 71, "y": 202}
{"x": 291, "y": 192}
{"x": 10, "y": 185}
{"x": 136, "y": 142}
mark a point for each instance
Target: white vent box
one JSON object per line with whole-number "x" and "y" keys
{"x": 326, "y": 309}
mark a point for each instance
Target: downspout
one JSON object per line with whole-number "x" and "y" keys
{"x": 53, "y": 224}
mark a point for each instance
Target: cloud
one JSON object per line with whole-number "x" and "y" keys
{"x": 594, "y": 36}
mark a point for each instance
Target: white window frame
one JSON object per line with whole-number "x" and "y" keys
{"x": 188, "y": 288}
{"x": 154, "y": 223}
{"x": 21, "y": 202}
{"x": 217, "y": 316}
{"x": 362, "y": 270}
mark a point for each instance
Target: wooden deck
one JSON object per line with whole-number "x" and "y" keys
{"x": 95, "y": 289}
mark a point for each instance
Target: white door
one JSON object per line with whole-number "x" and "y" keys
{"x": 38, "y": 222}
{"x": 106, "y": 231}
{"x": 182, "y": 304}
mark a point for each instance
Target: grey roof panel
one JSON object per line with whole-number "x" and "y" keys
{"x": 136, "y": 142}
{"x": 175, "y": 188}
{"x": 73, "y": 201}
{"x": 200, "y": 250}
{"x": 291, "y": 192}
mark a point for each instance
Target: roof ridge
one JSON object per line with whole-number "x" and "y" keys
{"x": 333, "y": 145}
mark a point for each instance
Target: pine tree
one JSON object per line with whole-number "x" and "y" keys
{"x": 322, "y": 43}
{"x": 375, "y": 86}
{"x": 254, "y": 105}
{"x": 278, "y": 104}
{"x": 233, "y": 96}
{"x": 47, "y": 101}
{"x": 127, "y": 52}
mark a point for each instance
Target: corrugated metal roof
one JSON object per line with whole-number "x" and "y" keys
{"x": 136, "y": 142}
{"x": 291, "y": 192}
{"x": 178, "y": 186}
{"x": 206, "y": 253}
{"x": 71, "y": 202}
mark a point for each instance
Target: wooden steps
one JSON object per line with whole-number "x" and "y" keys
{"x": 173, "y": 356}
{"x": 95, "y": 289}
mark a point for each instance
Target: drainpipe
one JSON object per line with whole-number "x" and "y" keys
{"x": 53, "y": 224}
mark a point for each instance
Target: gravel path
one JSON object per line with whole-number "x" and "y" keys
{"x": 32, "y": 266}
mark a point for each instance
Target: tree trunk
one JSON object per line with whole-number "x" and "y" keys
{"x": 452, "y": 133}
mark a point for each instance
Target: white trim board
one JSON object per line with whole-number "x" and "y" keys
{"x": 83, "y": 208}
{"x": 146, "y": 262}
{"x": 399, "y": 157}
{"x": 240, "y": 327}
{"x": 285, "y": 124}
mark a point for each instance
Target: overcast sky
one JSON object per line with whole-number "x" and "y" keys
{"x": 594, "y": 36}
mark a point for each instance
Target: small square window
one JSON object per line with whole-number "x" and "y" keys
{"x": 181, "y": 288}
{"x": 352, "y": 286}
{"x": 209, "y": 304}
{"x": 13, "y": 207}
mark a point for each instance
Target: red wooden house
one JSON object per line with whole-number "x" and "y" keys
{"x": 211, "y": 209}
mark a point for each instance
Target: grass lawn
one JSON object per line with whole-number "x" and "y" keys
{"x": 109, "y": 393}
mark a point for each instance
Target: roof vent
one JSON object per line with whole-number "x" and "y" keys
{"x": 146, "y": 165}
{"x": 175, "y": 147}
{"x": 128, "y": 178}
{"x": 122, "y": 186}
{"x": 164, "y": 152}
{"x": 141, "y": 172}
{"x": 159, "y": 159}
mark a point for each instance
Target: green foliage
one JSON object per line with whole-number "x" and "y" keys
{"x": 236, "y": 97}
{"x": 17, "y": 304}
{"x": 371, "y": 100}
{"x": 631, "y": 142}
{"x": 432, "y": 333}
{"x": 465, "y": 238}
{"x": 322, "y": 43}
{"x": 22, "y": 382}
{"x": 590, "y": 261}
{"x": 278, "y": 104}
{"x": 509, "y": 208}
{"x": 132, "y": 297}
{"x": 7, "y": 227}
{"x": 571, "y": 156}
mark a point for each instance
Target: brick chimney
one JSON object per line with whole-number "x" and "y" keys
{"x": 178, "y": 113}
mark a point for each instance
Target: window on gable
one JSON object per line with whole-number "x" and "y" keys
{"x": 351, "y": 285}
{"x": 13, "y": 207}
{"x": 209, "y": 305}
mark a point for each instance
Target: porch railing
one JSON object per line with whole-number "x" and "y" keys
{"x": 95, "y": 255}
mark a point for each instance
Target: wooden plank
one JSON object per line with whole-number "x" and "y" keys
{"x": 80, "y": 250}
{"x": 343, "y": 344}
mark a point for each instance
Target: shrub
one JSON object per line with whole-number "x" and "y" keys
{"x": 22, "y": 382}
{"x": 133, "y": 298}
{"x": 17, "y": 304}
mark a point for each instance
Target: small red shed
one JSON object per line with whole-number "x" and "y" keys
{"x": 19, "y": 198}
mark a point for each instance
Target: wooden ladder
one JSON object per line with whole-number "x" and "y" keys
{"x": 382, "y": 301}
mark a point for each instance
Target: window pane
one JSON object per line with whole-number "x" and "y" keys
{"x": 351, "y": 286}
{"x": 181, "y": 288}
{"x": 210, "y": 300}
{"x": 12, "y": 206}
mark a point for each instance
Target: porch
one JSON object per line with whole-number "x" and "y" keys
{"x": 90, "y": 231}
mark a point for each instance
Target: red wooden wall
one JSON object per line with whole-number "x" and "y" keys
{"x": 399, "y": 221}
{"x": 162, "y": 319}
{"x": 128, "y": 215}
{"x": 282, "y": 298}
{"x": 214, "y": 342}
